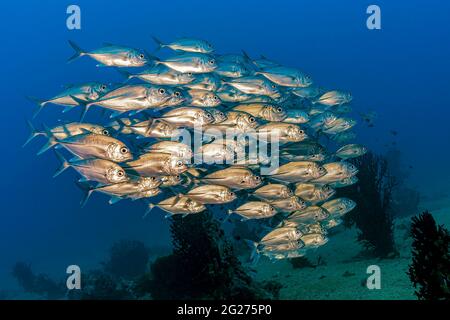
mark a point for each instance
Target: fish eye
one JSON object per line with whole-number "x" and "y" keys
{"x": 124, "y": 150}
{"x": 120, "y": 173}
{"x": 177, "y": 94}
{"x": 177, "y": 177}
{"x": 273, "y": 86}
{"x": 257, "y": 178}
{"x": 153, "y": 178}
{"x": 189, "y": 73}
{"x": 162, "y": 91}
{"x": 215, "y": 98}
{"x": 211, "y": 62}
{"x": 279, "y": 109}
{"x": 302, "y": 132}
{"x": 231, "y": 194}
{"x": 251, "y": 119}
{"x": 209, "y": 116}
{"x": 141, "y": 56}
{"x": 179, "y": 163}
{"x": 105, "y": 132}
{"x": 103, "y": 87}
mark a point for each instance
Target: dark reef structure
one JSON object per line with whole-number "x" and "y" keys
{"x": 100, "y": 285}
{"x": 373, "y": 194}
{"x": 40, "y": 284}
{"x": 405, "y": 199}
{"x": 430, "y": 268}
{"x": 128, "y": 259}
{"x": 304, "y": 262}
{"x": 202, "y": 266}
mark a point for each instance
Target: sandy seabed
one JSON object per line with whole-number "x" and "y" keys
{"x": 344, "y": 276}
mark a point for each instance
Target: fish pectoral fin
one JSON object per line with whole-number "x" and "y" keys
{"x": 114, "y": 200}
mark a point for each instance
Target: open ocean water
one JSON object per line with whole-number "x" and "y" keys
{"x": 401, "y": 72}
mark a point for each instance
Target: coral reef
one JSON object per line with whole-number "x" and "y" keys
{"x": 128, "y": 259}
{"x": 202, "y": 266}
{"x": 100, "y": 285}
{"x": 430, "y": 267}
{"x": 373, "y": 194}
{"x": 39, "y": 284}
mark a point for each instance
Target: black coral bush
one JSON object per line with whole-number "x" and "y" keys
{"x": 430, "y": 268}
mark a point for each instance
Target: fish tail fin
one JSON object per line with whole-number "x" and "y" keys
{"x": 33, "y": 133}
{"x": 78, "y": 51}
{"x": 50, "y": 143}
{"x": 64, "y": 164}
{"x": 84, "y": 104}
{"x": 255, "y": 255}
{"x": 158, "y": 42}
{"x": 247, "y": 57}
{"x": 39, "y": 102}
{"x": 87, "y": 191}
{"x": 149, "y": 209}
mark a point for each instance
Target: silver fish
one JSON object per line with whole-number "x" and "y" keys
{"x": 313, "y": 193}
{"x": 102, "y": 171}
{"x": 190, "y": 62}
{"x": 91, "y": 145}
{"x": 156, "y": 164}
{"x": 332, "y": 98}
{"x": 350, "y": 151}
{"x": 234, "y": 177}
{"x": 212, "y": 194}
{"x": 255, "y": 85}
{"x": 286, "y": 77}
{"x": 113, "y": 56}
{"x": 162, "y": 75}
{"x": 188, "y": 117}
{"x": 255, "y": 210}
{"x": 272, "y": 192}
{"x": 264, "y": 111}
{"x": 298, "y": 171}
{"x": 339, "y": 207}
{"x": 187, "y": 45}
{"x": 179, "y": 205}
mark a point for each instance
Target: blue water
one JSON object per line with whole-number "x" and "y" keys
{"x": 401, "y": 71}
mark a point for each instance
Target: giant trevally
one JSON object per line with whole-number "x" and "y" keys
{"x": 273, "y": 191}
{"x": 188, "y": 117}
{"x": 211, "y": 194}
{"x": 102, "y": 171}
{"x": 63, "y": 131}
{"x": 187, "y": 45}
{"x": 162, "y": 75}
{"x": 298, "y": 171}
{"x": 336, "y": 171}
{"x": 154, "y": 164}
{"x": 179, "y": 204}
{"x": 113, "y": 55}
{"x": 234, "y": 177}
{"x": 339, "y": 207}
{"x": 255, "y": 210}
{"x": 142, "y": 187}
{"x": 332, "y": 98}
{"x": 84, "y": 92}
{"x": 286, "y": 77}
{"x": 190, "y": 62}
{"x": 231, "y": 70}
{"x": 91, "y": 145}
{"x": 264, "y": 111}
{"x": 255, "y": 85}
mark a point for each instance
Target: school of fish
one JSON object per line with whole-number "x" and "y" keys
{"x": 137, "y": 154}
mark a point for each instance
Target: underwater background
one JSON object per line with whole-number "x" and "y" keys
{"x": 401, "y": 72}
